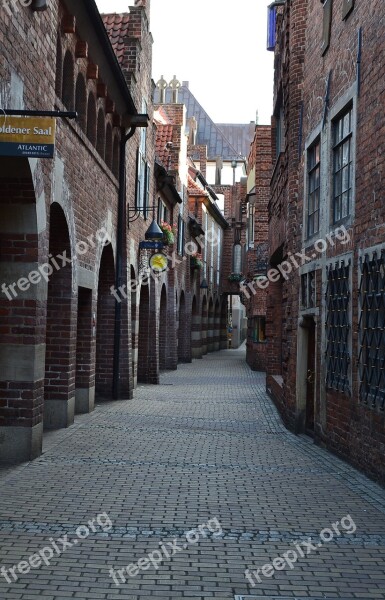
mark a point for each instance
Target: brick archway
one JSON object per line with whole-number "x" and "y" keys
{"x": 22, "y": 315}
{"x": 184, "y": 351}
{"x": 210, "y": 327}
{"x": 59, "y": 387}
{"x": 163, "y": 330}
{"x": 105, "y": 325}
{"x": 196, "y": 330}
{"x": 134, "y": 326}
{"x": 204, "y": 325}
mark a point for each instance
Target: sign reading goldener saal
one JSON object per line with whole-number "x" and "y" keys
{"x": 27, "y": 136}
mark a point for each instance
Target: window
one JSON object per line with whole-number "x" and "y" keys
{"x": 181, "y": 232}
{"x": 250, "y": 225}
{"x": 258, "y": 330}
{"x": 163, "y": 213}
{"x": 342, "y": 165}
{"x": 314, "y": 184}
{"x": 279, "y": 131}
{"x": 308, "y": 299}
{"x": 372, "y": 330}
{"x": 338, "y": 326}
{"x": 327, "y": 24}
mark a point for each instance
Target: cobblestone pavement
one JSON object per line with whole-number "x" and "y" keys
{"x": 204, "y": 447}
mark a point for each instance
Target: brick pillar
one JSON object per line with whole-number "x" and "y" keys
{"x": 59, "y": 387}
{"x": 22, "y": 316}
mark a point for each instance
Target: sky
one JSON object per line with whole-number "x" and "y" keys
{"x": 219, "y": 47}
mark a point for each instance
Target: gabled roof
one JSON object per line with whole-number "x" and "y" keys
{"x": 211, "y": 134}
{"x": 117, "y": 25}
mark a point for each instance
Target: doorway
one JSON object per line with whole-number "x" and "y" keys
{"x": 306, "y": 376}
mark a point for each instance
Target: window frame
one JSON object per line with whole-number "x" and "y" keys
{"x": 337, "y": 145}
{"x": 312, "y": 168}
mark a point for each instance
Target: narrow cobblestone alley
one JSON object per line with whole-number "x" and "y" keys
{"x": 206, "y": 446}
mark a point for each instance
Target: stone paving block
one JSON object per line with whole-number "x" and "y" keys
{"x": 206, "y": 444}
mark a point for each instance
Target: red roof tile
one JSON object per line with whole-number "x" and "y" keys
{"x": 163, "y": 135}
{"x": 194, "y": 189}
{"x": 117, "y": 26}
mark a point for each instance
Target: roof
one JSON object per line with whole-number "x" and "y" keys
{"x": 194, "y": 189}
{"x": 117, "y": 29}
{"x": 239, "y": 136}
{"x": 211, "y": 134}
{"x": 163, "y": 135}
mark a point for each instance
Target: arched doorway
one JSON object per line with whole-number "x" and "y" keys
{"x": 217, "y": 326}
{"x": 60, "y": 362}
{"x": 224, "y": 337}
{"x": 184, "y": 351}
{"x": 204, "y": 325}
{"x": 22, "y": 313}
{"x": 105, "y": 325}
{"x": 134, "y": 326}
{"x": 148, "y": 362}
{"x": 196, "y": 330}
{"x": 210, "y": 327}
{"x": 163, "y": 328}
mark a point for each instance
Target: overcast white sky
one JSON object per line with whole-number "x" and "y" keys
{"x": 219, "y": 46}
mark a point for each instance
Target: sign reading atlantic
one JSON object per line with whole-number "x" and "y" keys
{"x": 27, "y": 136}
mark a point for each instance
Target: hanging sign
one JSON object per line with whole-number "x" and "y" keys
{"x": 27, "y": 136}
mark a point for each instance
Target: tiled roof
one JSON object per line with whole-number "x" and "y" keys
{"x": 212, "y": 135}
{"x": 194, "y": 189}
{"x": 163, "y": 135}
{"x": 117, "y": 29}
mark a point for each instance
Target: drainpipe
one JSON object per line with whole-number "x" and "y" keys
{"x": 135, "y": 122}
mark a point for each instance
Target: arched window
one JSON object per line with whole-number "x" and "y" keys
{"x": 59, "y": 68}
{"x": 81, "y": 101}
{"x": 91, "y": 119}
{"x": 101, "y": 134}
{"x": 115, "y": 160}
{"x": 109, "y": 146}
{"x": 68, "y": 81}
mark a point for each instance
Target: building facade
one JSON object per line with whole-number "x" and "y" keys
{"x": 326, "y": 227}
{"x": 83, "y": 316}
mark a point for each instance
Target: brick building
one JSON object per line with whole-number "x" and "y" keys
{"x": 257, "y": 234}
{"x": 325, "y": 320}
{"x": 80, "y": 317}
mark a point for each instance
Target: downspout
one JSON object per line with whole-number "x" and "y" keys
{"x": 120, "y": 250}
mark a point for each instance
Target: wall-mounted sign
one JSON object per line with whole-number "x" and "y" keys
{"x": 151, "y": 245}
{"x": 158, "y": 262}
{"x": 27, "y": 136}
